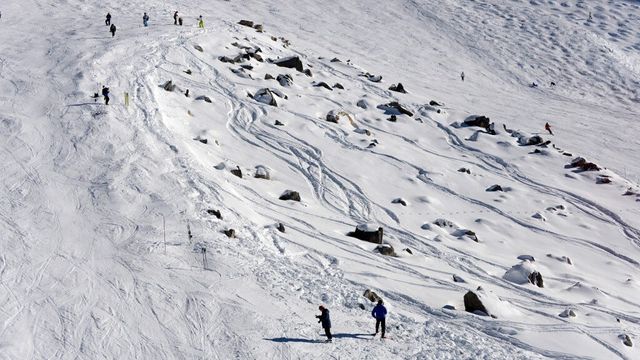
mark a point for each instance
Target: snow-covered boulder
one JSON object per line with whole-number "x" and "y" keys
{"x": 484, "y": 303}
{"x": 395, "y": 108}
{"x": 268, "y": 96}
{"x": 262, "y": 173}
{"x": 386, "y": 249}
{"x": 398, "y": 88}
{"x": 372, "y": 296}
{"x": 478, "y": 121}
{"x": 524, "y": 273}
{"x": 285, "y": 80}
{"x": 292, "y": 62}
{"x": 290, "y": 195}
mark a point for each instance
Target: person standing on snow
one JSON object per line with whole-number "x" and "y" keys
{"x": 380, "y": 313}
{"x": 175, "y": 18}
{"x": 145, "y": 19}
{"x": 112, "y": 29}
{"x": 548, "y": 128}
{"x": 105, "y": 93}
{"x": 200, "y": 22}
{"x": 462, "y": 76}
{"x": 107, "y": 21}
{"x": 326, "y": 321}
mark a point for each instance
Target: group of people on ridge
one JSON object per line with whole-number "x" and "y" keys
{"x": 379, "y": 312}
{"x": 177, "y": 20}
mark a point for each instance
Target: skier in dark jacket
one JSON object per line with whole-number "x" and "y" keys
{"x": 145, "y": 19}
{"x": 112, "y": 29}
{"x": 326, "y": 321}
{"x": 107, "y": 21}
{"x": 380, "y": 313}
{"x": 548, "y": 128}
{"x": 105, "y": 93}
{"x": 175, "y": 18}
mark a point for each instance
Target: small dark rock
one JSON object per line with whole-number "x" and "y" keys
{"x": 458, "y": 279}
{"x": 290, "y": 195}
{"x": 536, "y": 279}
{"x": 231, "y": 233}
{"x": 393, "y": 118}
{"x": 324, "y": 85}
{"x": 204, "y": 98}
{"x": 435, "y": 103}
{"x": 473, "y": 304}
{"x": 202, "y": 140}
{"x": 308, "y": 72}
{"x": 169, "y": 86}
{"x": 338, "y": 86}
{"x": 626, "y": 340}
{"x": 280, "y": 227}
{"x": 215, "y": 213}
{"x": 398, "y": 88}
{"x": 188, "y": 72}
{"x": 449, "y": 307}
{"x": 399, "y": 201}
{"x": 198, "y": 47}
{"x": 292, "y": 62}
{"x": 335, "y": 60}
{"x": 278, "y": 123}
{"x": 493, "y": 188}
{"x": 372, "y": 296}
{"x": 268, "y": 77}
{"x": 408, "y": 251}
{"x": 386, "y": 250}
{"x": 464, "y": 170}
{"x": 248, "y": 23}
{"x": 285, "y": 80}
{"x": 395, "y": 108}
{"x": 237, "y": 172}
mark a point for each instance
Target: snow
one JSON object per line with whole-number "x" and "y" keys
{"x": 104, "y": 210}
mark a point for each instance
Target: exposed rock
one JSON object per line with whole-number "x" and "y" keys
{"x": 246, "y": 66}
{"x": 226, "y": 59}
{"x": 444, "y": 223}
{"x": 603, "y": 179}
{"x": 231, "y": 233}
{"x": 395, "y": 108}
{"x": 335, "y": 60}
{"x": 582, "y": 165}
{"x": 372, "y": 296}
{"x": 386, "y": 250}
{"x": 567, "y": 313}
{"x": 268, "y": 96}
{"x": 464, "y": 170}
{"x": 290, "y": 195}
{"x": 398, "y": 88}
{"x": 479, "y": 121}
{"x": 215, "y": 213}
{"x": 278, "y": 123}
{"x": 262, "y": 173}
{"x": 308, "y": 72}
{"x": 408, "y": 251}
{"x": 338, "y": 86}
{"x": 285, "y": 80}
{"x": 324, "y": 85}
{"x": 531, "y": 140}
{"x": 204, "y": 98}
{"x": 198, "y": 47}
{"x": 335, "y": 115}
{"x": 371, "y": 77}
{"x": 259, "y": 27}
{"x": 539, "y": 216}
{"x": 361, "y": 306}
{"x": 237, "y": 172}
{"x": 280, "y": 227}
{"x": 458, "y": 279}
{"x": 493, "y": 188}
{"x": 468, "y": 233}
{"x": 242, "y": 73}
{"x": 536, "y": 279}
{"x": 188, "y": 72}
{"x": 202, "y": 140}
{"x": 400, "y": 201}
{"x": 626, "y": 340}
{"x": 248, "y": 23}
{"x": 291, "y": 62}
{"x": 473, "y": 304}
{"x": 368, "y": 233}
{"x": 393, "y": 118}
{"x": 526, "y": 257}
{"x": 449, "y": 307}
{"x": 268, "y": 77}
{"x": 362, "y": 103}
{"x": 169, "y": 86}
{"x": 435, "y": 103}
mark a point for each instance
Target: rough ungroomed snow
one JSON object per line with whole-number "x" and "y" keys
{"x": 110, "y": 246}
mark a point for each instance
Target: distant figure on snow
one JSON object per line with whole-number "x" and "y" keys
{"x": 533, "y": 85}
{"x": 380, "y": 313}
{"x": 590, "y": 18}
{"x": 145, "y": 19}
{"x": 326, "y": 321}
{"x": 105, "y": 93}
{"x": 462, "y": 76}
{"x": 107, "y": 21}
{"x": 548, "y": 128}
{"x": 200, "y": 22}
{"x": 180, "y": 21}
{"x": 175, "y": 18}
{"x": 112, "y": 29}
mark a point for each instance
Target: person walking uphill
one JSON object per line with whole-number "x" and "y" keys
{"x": 548, "y": 128}
{"x": 112, "y": 30}
{"x": 380, "y": 313}
{"x": 175, "y": 18}
{"x": 145, "y": 19}
{"x": 105, "y": 93}
{"x": 200, "y": 22}
{"x": 326, "y": 321}
{"x": 107, "y": 21}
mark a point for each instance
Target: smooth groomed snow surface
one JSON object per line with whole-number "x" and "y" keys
{"x": 89, "y": 269}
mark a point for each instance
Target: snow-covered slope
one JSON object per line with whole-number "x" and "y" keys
{"x": 106, "y": 210}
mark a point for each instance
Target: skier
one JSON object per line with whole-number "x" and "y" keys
{"x": 326, "y": 321}
{"x": 462, "y": 76}
{"x": 175, "y": 18}
{"x": 105, "y": 93}
{"x": 145, "y": 19}
{"x": 112, "y": 29}
{"x": 380, "y": 313}
{"x": 548, "y": 128}
{"x": 200, "y": 22}
{"x": 107, "y": 21}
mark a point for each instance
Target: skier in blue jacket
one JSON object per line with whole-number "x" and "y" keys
{"x": 380, "y": 313}
{"x": 326, "y": 321}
